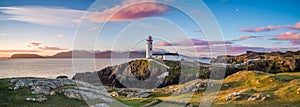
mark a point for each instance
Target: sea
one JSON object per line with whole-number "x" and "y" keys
{"x": 51, "y": 68}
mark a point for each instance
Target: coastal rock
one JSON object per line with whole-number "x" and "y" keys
{"x": 75, "y": 89}
{"x": 100, "y": 105}
{"x": 40, "y": 90}
{"x": 259, "y": 96}
{"x": 243, "y": 95}
{"x": 235, "y": 96}
{"x": 38, "y": 99}
{"x": 192, "y": 86}
{"x": 139, "y": 95}
{"x": 145, "y": 74}
{"x": 274, "y": 62}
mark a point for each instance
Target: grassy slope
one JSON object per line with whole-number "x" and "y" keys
{"x": 10, "y": 98}
{"x": 282, "y": 87}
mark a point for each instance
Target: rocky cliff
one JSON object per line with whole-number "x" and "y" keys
{"x": 255, "y": 55}
{"x": 274, "y": 62}
{"x": 144, "y": 73}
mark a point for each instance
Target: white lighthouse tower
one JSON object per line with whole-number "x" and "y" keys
{"x": 149, "y": 47}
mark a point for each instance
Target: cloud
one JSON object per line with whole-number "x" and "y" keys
{"x": 292, "y": 37}
{"x": 230, "y": 50}
{"x": 246, "y": 37}
{"x": 11, "y": 51}
{"x": 192, "y": 42}
{"x": 261, "y": 29}
{"x": 127, "y": 12}
{"x": 216, "y": 50}
{"x": 288, "y": 36}
{"x": 162, "y": 44}
{"x": 34, "y": 44}
{"x": 296, "y": 26}
{"x": 51, "y": 48}
{"x": 53, "y": 16}
{"x": 270, "y": 28}
{"x": 60, "y": 35}
{"x": 295, "y": 42}
{"x": 93, "y": 28}
{"x": 2, "y": 34}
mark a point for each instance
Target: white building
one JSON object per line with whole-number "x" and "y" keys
{"x": 163, "y": 56}
{"x": 167, "y": 56}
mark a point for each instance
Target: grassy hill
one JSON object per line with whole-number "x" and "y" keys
{"x": 283, "y": 90}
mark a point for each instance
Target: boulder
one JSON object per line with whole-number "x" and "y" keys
{"x": 139, "y": 95}
{"x": 76, "y": 89}
{"x": 38, "y": 99}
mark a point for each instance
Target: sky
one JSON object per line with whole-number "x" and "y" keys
{"x": 190, "y": 27}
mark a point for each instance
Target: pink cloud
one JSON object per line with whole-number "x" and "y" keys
{"x": 230, "y": 49}
{"x": 270, "y": 28}
{"x": 191, "y": 42}
{"x": 261, "y": 29}
{"x": 295, "y": 42}
{"x": 214, "y": 51}
{"x": 125, "y": 12}
{"x": 162, "y": 44}
{"x": 296, "y": 26}
{"x": 217, "y": 50}
{"x": 288, "y": 36}
{"x": 245, "y": 37}
{"x": 51, "y": 48}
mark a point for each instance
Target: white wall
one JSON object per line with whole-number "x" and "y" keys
{"x": 171, "y": 57}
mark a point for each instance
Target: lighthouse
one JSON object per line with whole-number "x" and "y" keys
{"x": 149, "y": 47}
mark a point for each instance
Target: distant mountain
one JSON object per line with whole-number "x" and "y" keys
{"x": 112, "y": 54}
{"x": 86, "y": 54}
{"x": 104, "y": 54}
{"x": 26, "y": 56}
{"x": 69, "y": 54}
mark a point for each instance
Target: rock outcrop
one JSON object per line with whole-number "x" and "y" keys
{"x": 70, "y": 88}
{"x": 250, "y": 55}
{"x": 236, "y": 96}
{"x": 192, "y": 86}
{"x": 146, "y": 74}
{"x": 275, "y": 62}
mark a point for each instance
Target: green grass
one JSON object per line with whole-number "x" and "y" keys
{"x": 16, "y": 98}
{"x": 282, "y": 88}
